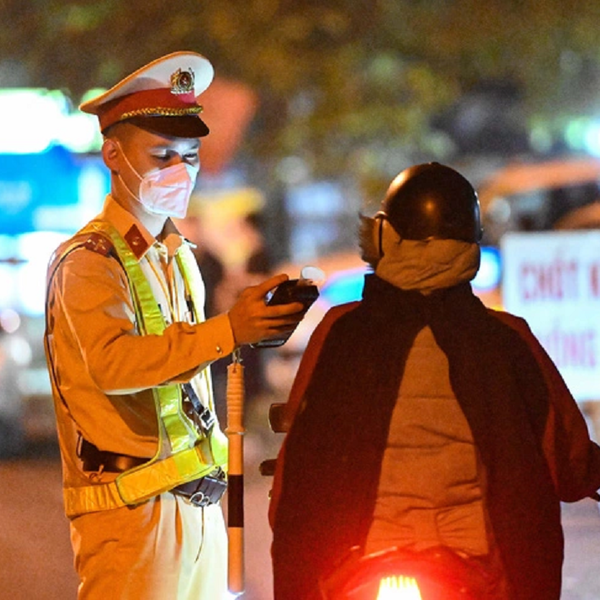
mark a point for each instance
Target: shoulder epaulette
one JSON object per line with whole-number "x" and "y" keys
{"x": 96, "y": 242}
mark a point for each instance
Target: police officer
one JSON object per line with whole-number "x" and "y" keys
{"x": 129, "y": 352}
{"x": 426, "y": 422}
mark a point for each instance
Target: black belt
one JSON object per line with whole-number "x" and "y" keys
{"x": 201, "y": 492}
{"x": 102, "y": 460}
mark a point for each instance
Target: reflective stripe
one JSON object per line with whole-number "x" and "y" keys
{"x": 180, "y": 429}
{"x": 92, "y": 498}
{"x": 191, "y": 455}
{"x": 159, "y": 477}
{"x": 141, "y": 483}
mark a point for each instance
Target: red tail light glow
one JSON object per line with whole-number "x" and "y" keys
{"x": 399, "y": 588}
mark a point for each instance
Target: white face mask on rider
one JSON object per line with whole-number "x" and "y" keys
{"x": 165, "y": 191}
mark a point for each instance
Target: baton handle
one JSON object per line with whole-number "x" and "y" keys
{"x": 235, "y": 490}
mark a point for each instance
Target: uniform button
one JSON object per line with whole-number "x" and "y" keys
{"x": 219, "y": 350}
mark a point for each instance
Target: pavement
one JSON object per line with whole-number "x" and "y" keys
{"x": 35, "y": 553}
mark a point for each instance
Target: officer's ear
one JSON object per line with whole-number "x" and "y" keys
{"x": 110, "y": 154}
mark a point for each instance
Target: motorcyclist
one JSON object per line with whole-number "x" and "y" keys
{"x": 424, "y": 420}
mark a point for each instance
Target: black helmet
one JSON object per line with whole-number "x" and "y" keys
{"x": 432, "y": 201}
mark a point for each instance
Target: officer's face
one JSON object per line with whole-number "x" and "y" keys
{"x": 131, "y": 152}
{"x": 148, "y": 152}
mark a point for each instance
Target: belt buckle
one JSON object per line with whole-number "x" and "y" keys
{"x": 211, "y": 489}
{"x": 199, "y": 499}
{"x": 207, "y": 418}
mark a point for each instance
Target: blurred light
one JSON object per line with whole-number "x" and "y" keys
{"x": 318, "y": 199}
{"x": 9, "y": 320}
{"x": 34, "y": 119}
{"x": 344, "y": 286}
{"x": 293, "y": 170}
{"x": 91, "y": 94}
{"x": 20, "y": 350}
{"x": 93, "y": 186}
{"x": 575, "y": 133}
{"x": 490, "y": 270}
{"x": 80, "y": 133}
{"x": 592, "y": 139}
{"x": 29, "y": 120}
{"x": 500, "y": 210}
{"x": 36, "y": 249}
{"x": 540, "y": 138}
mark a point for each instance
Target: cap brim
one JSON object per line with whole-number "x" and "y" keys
{"x": 182, "y": 127}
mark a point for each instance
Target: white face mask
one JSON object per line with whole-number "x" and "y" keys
{"x": 166, "y": 191}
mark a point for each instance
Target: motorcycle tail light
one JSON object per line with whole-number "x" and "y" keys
{"x": 399, "y": 587}
{"x": 401, "y": 574}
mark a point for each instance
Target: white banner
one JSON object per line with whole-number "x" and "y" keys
{"x": 552, "y": 279}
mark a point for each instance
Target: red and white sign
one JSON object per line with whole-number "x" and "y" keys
{"x": 552, "y": 279}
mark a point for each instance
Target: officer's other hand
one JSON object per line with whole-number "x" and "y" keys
{"x": 253, "y": 321}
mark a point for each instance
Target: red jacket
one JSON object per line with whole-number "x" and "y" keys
{"x": 573, "y": 461}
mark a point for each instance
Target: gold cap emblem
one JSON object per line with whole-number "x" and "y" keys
{"x": 182, "y": 82}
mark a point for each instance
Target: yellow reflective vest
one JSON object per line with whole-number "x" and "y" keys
{"x": 183, "y": 452}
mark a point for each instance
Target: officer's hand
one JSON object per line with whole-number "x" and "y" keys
{"x": 253, "y": 321}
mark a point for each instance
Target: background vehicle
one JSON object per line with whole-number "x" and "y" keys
{"x": 540, "y": 196}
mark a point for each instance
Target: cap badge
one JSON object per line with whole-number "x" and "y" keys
{"x": 182, "y": 82}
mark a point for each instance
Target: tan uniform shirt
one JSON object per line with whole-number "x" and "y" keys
{"x": 104, "y": 370}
